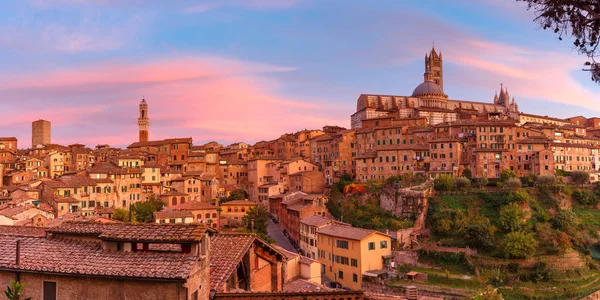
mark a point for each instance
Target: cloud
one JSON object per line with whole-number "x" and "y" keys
{"x": 249, "y": 4}
{"x": 188, "y": 96}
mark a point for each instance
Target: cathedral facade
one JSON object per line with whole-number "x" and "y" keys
{"x": 429, "y": 100}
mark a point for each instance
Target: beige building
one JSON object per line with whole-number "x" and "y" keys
{"x": 347, "y": 253}
{"x": 40, "y": 133}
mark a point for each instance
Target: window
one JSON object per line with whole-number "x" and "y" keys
{"x": 340, "y": 274}
{"x": 383, "y": 244}
{"x": 371, "y": 246}
{"x": 49, "y": 290}
{"x": 341, "y": 244}
{"x": 354, "y": 278}
{"x": 353, "y": 262}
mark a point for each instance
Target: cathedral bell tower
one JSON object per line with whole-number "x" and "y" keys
{"x": 433, "y": 65}
{"x": 143, "y": 121}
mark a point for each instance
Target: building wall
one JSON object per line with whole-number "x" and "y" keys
{"x": 40, "y": 133}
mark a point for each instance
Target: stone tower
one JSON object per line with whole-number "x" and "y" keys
{"x": 40, "y": 133}
{"x": 433, "y": 65}
{"x": 143, "y": 121}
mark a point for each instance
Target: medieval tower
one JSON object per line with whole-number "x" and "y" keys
{"x": 143, "y": 121}
{"x": 433, "y": 65}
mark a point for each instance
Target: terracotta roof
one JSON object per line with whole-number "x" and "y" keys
{"x": 238, "y": 202}
{"x": 167, "y": 214}
{"x": 347, "y": 232}
{"x": 9, "y": 230}
{"x": 160, "y": 143}
{"x": 83, "y": 228}
{"x": 226, "y": 251}
{"x": 66, "y": 256}
{"x": 193, "y": 205}
{"x": 316, "y": 220}
{"x": 155, "y": 233}
{"x": 300, "y": 285}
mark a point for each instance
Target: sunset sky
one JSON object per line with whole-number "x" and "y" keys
{"x": 248, "y": 70}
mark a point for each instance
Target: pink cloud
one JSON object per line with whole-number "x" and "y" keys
{"x": 203, "y": 97}
{"x": 252, "y": 4}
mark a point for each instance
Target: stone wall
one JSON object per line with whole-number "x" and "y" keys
{"x": 403, "y": 202}
{"x": 334, "y": 295}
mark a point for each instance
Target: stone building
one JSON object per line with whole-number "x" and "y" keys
{"x": 143, "y": 122}
{"x": 40, "y": 133}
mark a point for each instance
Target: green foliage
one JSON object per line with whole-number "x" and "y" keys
{"x": 462, "y": 184}
{"x": 15, "y": 291}
{"x": 546, "y": 180}
{"x": 480, "y": 233}
{"x": 563, "y": 173}
{"x": 580, "y": 177}
{"x": 511, "y": 218}
{"x": 144, "y": 210}
{"x": 519, "y": 245}
{"x": 529, "y": 180}
{"x": 519, "y": 197}
{"x": 368, "y": 215}
{"x": 507, "y": 174}
{"x": 339, "y": 186}
{"x": 511, "y": 184}
{"x": 443, "y": 183}
{"x": 123, "y": 215}
{"x": 487, "y": 293}
{"x": 238, "y": 194}
{"x": 585, "y": 197}
{"x": 481, "y": 181}
{"x": 406, "y": 179}
{"x": 513, "y": 267}
{"x": 565, "y": 220}
{"x": 467, "y": 174}
{"x": 256, "y": 220}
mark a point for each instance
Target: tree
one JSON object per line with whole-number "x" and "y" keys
{"x": 462, "y": 183}
{"x": 256, "y": 220}
{"x": 480, "y": 233}
{"x": 585, "y": 197}
{"x": 529, "y": 179}
{"x": 481, "y": 181}
{"x": 565, "y": 220}
{"x": 546, "y": 180}
{"x": 580, "y": 177}
{"x": 519, "y": 245}
{"x": 467, "y": 173}
{"x": 511, "y": 184}
{"x": 443, "y": 183}
{"x": 144, "y": 210}
{"x": 238, "y": 194}
{"x": 121, "y": 214}
{"x": 519, "y": 197}
{"x": 579, "y": 19}
{"x": 511, "y": 217}
{"x": 15, "y": 290}
{"x": 507, "y": 174}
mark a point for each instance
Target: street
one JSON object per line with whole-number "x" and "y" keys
{"x": 276, "y": 232}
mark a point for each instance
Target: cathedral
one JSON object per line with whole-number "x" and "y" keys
{"x": 429, "y": 100}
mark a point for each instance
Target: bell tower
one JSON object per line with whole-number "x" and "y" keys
{"x": 143, "y": 121}
{"x": 433, "y": 65}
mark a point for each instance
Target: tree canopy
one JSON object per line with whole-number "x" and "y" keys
{"x": 579, "y": 19}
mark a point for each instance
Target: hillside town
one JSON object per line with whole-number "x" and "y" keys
{"x": 165, "y": 218}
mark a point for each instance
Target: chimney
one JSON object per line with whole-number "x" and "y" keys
{"x": 18, "y": 256}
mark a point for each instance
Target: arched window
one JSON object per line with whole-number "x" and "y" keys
{"x": 182, "y": 200}
{"x": 174, "y": 201}
{"x": 199, "y": 216}
{"x": 214, "y": 215}
{"x": 207, "y": 215}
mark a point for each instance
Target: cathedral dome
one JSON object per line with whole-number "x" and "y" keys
{"x": 428, "y": 88}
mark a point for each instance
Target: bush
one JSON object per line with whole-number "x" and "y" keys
{"x": 481, "y": 181}
{"x": 511, "y": 184}
{"x": 580, "y": 177}
{"x": 507, "y": 174}
{"x": 519, "y": 197}
{"x": 529, "y": 180}
{"x": 462, "y": 183}
{"x": 565, "y": 220}
{"x": 513, "y": 267}
{"x": 480, "y": 233}
{"x": 585, "y": 197}
{"x": 467, "y": 174}
{"x": 511, "y": 217}
{"x": 519, "y": 245}
{"x": 443, "y": 183}
{"x": 546, "y": 180}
